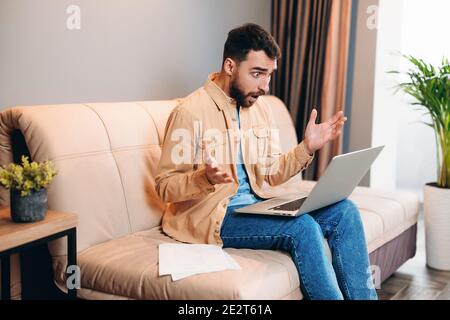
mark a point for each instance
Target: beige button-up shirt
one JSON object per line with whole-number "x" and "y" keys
{"x": 196, "y": 208}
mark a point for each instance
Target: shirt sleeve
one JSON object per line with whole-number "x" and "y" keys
{"x": 179, "y": 178}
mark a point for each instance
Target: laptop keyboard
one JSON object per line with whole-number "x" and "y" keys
{"x": 290, "y": 206}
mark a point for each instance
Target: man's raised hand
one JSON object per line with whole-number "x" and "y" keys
{"x": 317, "y": 135}
{"x": 214, "y": 172}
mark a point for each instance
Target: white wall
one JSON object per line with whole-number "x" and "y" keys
{"x": 124, "y": 50}
{"x": 360, "y": 122}
{"x": 420, "y": 28}
{"x": 426, "y": 30}
{"x": 386, "y": 105}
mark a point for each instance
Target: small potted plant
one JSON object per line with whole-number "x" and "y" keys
{"x": 430, "y": 87}
{"x": 27, "y": 183}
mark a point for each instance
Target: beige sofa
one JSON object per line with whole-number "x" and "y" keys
{"x": 107, "y": 154}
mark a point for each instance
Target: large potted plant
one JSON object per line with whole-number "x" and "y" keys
{"x": 430, "y": 87}
{"x": 27, "y": 183}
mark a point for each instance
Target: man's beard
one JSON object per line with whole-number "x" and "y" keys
{"x": 244, "y": 100}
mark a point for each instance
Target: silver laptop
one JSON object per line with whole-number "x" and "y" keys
{"x": 338, "y": 181}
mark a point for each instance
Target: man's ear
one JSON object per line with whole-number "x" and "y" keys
{"x": 229, "y": 66}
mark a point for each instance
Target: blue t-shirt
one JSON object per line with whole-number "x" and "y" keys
{"x": 244, "y": 195}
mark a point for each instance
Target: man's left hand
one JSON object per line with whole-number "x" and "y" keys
{"x": 317, "y": 135}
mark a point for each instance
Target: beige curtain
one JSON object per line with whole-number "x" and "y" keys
{"x": 300, "y": 27}
{"x": 314, "y": 37}
{"x": 335, "y": 74}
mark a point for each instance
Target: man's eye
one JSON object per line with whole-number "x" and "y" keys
{"x": 256, "y": 74}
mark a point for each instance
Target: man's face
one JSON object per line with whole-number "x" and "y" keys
{"x": 251, "y": 78}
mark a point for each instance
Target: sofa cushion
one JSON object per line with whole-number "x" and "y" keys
{"x": 128, "y": 267}
{"x": 385, "y": 213}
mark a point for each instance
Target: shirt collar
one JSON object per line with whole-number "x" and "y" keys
{"x": 221, "y": 99}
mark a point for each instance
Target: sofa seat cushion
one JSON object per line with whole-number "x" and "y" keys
{"x": 128, "y": 267}
{"x": 385, "y": 213}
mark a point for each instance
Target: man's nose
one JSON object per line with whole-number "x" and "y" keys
{"x": 264, "y": 85}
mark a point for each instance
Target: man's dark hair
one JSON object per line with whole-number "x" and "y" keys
{"x": 248, "y": 37}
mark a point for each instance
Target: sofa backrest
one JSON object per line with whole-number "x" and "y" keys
{"x": 106, "y": 155}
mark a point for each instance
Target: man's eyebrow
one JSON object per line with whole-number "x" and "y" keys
{"x": 260, "y": 69}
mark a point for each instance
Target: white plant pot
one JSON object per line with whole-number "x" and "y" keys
{"x": 437, "y": 226}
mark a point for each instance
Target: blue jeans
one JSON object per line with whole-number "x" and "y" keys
{"x": 347, "y": 276}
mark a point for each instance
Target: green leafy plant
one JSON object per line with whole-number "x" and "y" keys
{"x": 27, "y": 177}
{"x": 430, "y": 88}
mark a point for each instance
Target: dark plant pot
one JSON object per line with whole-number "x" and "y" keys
{"x": 29, "y": 208}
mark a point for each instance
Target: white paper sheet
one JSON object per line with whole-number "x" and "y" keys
{"x": 184, "y": 260}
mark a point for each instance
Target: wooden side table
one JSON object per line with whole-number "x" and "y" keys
{"x": 17, "y": 237}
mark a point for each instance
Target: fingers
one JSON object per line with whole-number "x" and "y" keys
{"x": 225, "y": 178}
{"x": 337, "y": 118}
{"x": 336, "y": 130}
{"x": 209, "y": 159}
{"x": 337, "y": 125}
{"x": 216, "y": 176}
{"x": 214, "y": 171}
{"x": 313, "y": 116}
{"x": 337, "y": 122}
